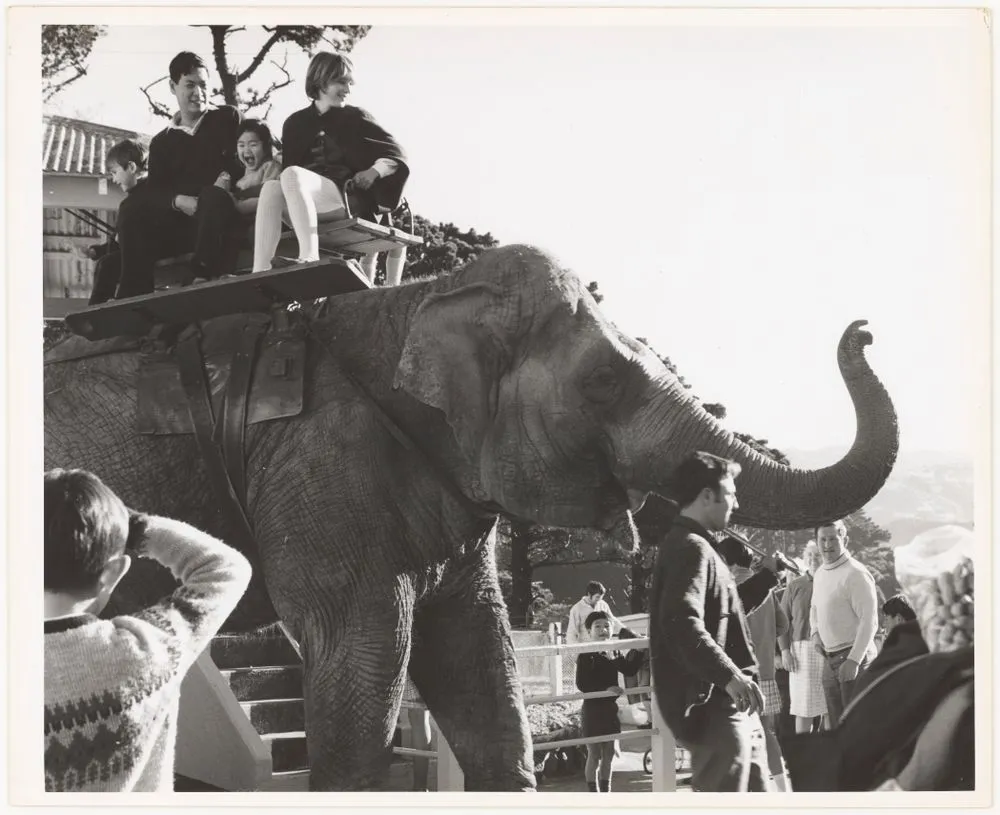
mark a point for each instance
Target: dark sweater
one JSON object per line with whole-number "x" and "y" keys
{"x": 181, "y": 163}
{"x": 598, "y": 671}
{"x": 354, "y": 142}
{"x": 699, "y": 638}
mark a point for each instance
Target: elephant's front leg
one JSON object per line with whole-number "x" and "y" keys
{"x": 463, "y": 665}
{"x": 353, "y": 683}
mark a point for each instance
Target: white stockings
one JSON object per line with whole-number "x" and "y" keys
{"x": 303, "y": 196}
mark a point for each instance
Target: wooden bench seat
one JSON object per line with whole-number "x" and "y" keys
{"x": 135, "y": 316}
{"x": 349, "y": 236}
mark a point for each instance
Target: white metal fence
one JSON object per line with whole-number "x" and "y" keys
{"x": 544, "y": 661}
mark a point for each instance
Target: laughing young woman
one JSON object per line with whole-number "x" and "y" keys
{"x": 330, "y": 150}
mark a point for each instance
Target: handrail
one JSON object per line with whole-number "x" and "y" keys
{"x": 582, "y": 647}
{"x": 597, "y": 694}
{"x": 623, "y": 736}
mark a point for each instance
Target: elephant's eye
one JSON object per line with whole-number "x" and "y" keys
{"x": 601, "y": 385}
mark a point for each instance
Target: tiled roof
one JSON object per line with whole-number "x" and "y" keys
{"x": 75, "y": 147}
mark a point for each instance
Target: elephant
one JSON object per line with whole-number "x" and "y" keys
{"x": 510, "y": 392}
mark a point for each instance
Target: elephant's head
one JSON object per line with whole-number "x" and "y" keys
{"x": 568, "y": 422}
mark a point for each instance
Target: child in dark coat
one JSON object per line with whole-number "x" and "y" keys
{"x": 599, "y": 672}
{"x": 126, "y": 162}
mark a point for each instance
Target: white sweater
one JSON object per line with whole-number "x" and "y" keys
{"x": 576, "y": 629}
{"x": 844, "y": 609}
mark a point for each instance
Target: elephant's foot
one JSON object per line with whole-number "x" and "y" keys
{"x": 353, "y": 686}
{"x": 463, "y": 665}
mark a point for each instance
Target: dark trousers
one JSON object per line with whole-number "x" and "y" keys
{"x": 107, "y": 274}
{"x": 837, "y": 692}
{"x": 729, "y": 753}
{"x": 147, "y": 232}
{"x": 785, "y": 720}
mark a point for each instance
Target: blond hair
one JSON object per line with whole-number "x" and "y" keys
{"x": 324, "y": 68}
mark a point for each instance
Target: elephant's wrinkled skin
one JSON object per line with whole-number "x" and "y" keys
{"x": 525, "y": 398}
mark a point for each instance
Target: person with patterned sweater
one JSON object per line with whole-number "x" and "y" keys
{"x": 112, "y": 685}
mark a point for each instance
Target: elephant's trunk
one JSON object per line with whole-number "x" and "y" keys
{"x": 772, "y": 495}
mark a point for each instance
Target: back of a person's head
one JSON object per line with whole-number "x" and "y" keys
{"x": 734, "y": 552}
{"x": 899, "y": 605}
{"x": 186, "y": 62}
{"x": 125, "y": 151}
{"x": 324, "y": 68}
{"x": 697, "y": 471}
{"x": 594, "y": 587}
{"x": 86, "y": 525}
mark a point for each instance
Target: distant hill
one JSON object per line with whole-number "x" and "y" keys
{"x": 926, "y": 488}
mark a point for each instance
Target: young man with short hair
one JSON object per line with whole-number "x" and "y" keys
{"x": 186, "y": 206}
{"x": 703, "y": 659}
{"x": 112, "y": 685}
{"x": 843, "y": 614}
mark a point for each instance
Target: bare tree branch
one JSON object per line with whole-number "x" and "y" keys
{"x": 54, "y": 89}
{"x": 260, "y": 100}
{"x": 234, "y": 29}
{"x": 261, "y": 55}
{"x": 158, "y": 109}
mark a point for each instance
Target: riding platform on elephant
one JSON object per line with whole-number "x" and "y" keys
{"x": 178, "y": 299}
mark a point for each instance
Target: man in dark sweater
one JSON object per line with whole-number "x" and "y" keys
{"x": 703, "y": 660}
{"x": 185, "y": 205}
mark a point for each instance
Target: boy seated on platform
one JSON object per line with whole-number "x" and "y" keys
{"x": 185, "y": 206}
{"x": 112, "y": 685}
{"x": 126, "y": 162}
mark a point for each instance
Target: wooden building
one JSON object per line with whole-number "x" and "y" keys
{"x": 74, "y": 181}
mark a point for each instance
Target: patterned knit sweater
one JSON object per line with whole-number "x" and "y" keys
{"x": 112, "y": 686}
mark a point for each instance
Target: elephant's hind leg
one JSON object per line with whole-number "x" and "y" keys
{"x": 353, "y": 689}
{"x": 463, "y": 666}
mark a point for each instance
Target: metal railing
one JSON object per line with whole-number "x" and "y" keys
{"x": 662, "y": 749}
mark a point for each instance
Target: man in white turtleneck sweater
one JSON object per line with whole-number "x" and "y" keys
{"x": 844, "y": 617}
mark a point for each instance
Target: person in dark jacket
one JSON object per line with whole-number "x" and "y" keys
{"x": 185, "y": 206}
{"x": 598, "y": 671}
{"x": 701, "y": 649}
{"x": 126, "y": 162}
{"x": 336, "y": 156}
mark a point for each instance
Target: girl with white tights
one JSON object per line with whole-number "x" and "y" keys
{"x": 324, "y": 146}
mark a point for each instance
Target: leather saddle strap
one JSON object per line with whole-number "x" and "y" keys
{"x": 189, "y": 363}
{"x": 234, "y": 406}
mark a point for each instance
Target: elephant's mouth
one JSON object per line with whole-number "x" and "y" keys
{"x": 615, "y": 500}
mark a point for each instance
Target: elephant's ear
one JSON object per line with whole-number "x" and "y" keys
{"x": 454, "y": 354}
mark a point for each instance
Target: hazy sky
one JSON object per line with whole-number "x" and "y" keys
{"x": 740, "y": 193}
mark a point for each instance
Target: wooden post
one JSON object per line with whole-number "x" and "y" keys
{"x": 555, "y": 662}
{"x": 450, "y": 777}
{"x": 664, "y": 748}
